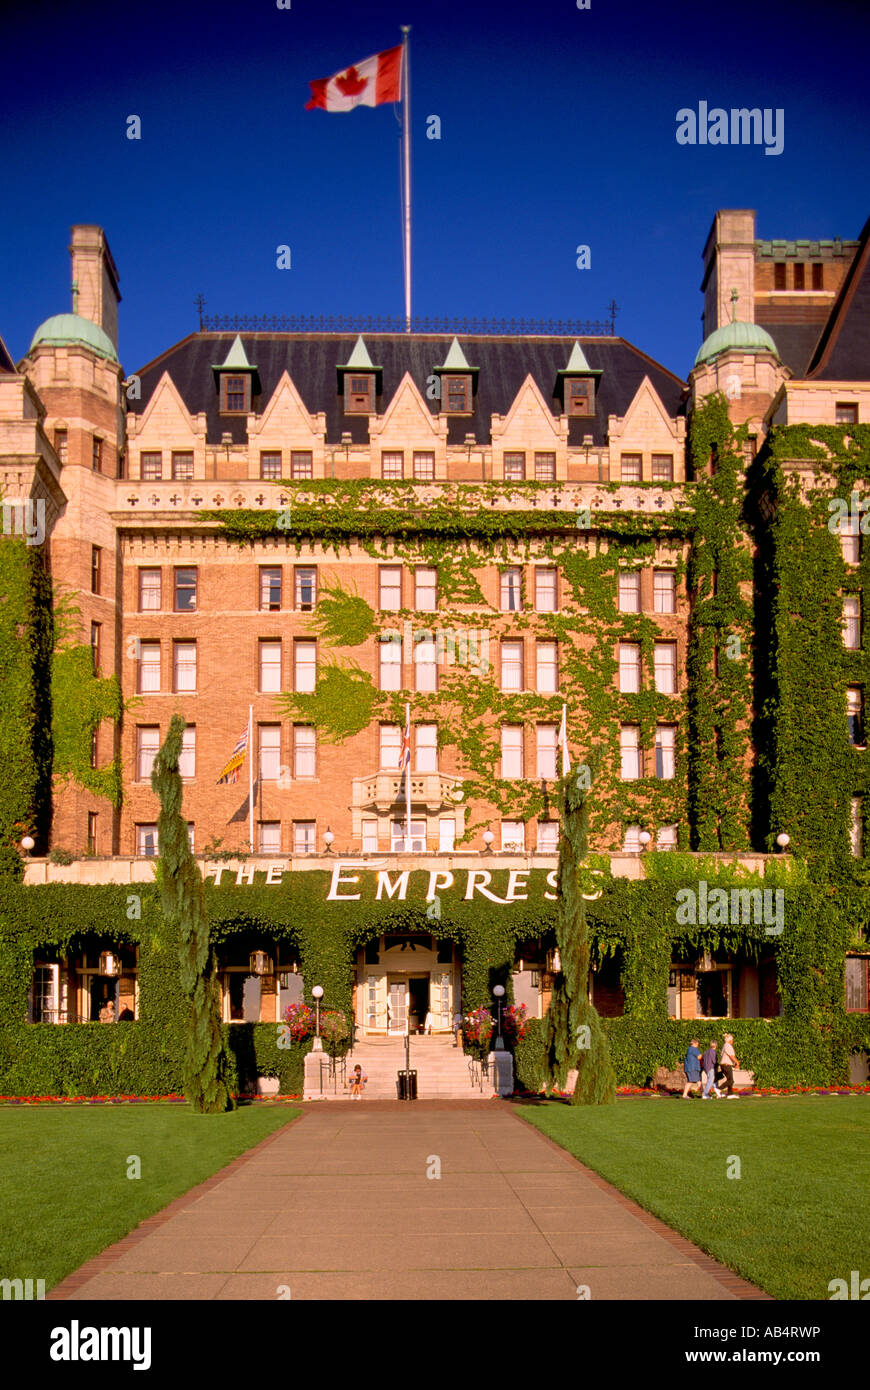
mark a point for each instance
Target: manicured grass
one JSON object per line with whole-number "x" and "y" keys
{"x": 796, "y": 1218}
{"x": 64, "y": 1190}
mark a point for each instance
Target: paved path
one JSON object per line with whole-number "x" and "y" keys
{"x": 339, "y": 1206}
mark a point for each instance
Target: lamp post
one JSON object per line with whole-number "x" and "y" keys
{"x": 328, "y": 839}
{"x": 644, "y": 838}
{"x": 317, "y": 995}
{"x": 488, "y": 838}
{"x": 782, "y": 840}
{"x": 27, "y": 843}
{"x": 498, "y": 991}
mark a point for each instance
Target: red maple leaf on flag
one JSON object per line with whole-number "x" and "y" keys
{"x": 350, "y": 84}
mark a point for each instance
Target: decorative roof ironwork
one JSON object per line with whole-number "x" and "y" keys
{"x": 395, "y": 323}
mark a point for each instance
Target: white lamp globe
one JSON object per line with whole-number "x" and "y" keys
{"x": 27, "y": 843}
{"x": 317, "y": 992}
{"x": 783, "y": 840}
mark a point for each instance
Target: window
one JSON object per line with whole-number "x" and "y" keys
{"x": 270, "y": 463}
{"x": 545, "y": 468}
{"x": 149, "y": 591}
{"x": 666, "y": 742}
{"x": 304, "y": 667}
{"x": 545, "y": 589}
{"x": 94, "y": 742}
{"x": 147, "y": 748}
{"x": 664, "y": 591}
{"x": 779, "y": 275}
{"x": 581, "y": 397}
{"x": 184, "y": 666}
{"x": 547, "y": 667}
{"x": 359, "y": 393}
{"x": 424, "y": 467}
{"x": 665, "y": 658}
{"x": 629, "y": 592}
{"x": 511, "y": 665}
{"x": 818, "y": 276}
{"x": 547, "y": 741}
{"x": 799, "y": 275}
{"x": 666, "y": 837}
{"x": 457, "y": 392}
{"x": 391, "y": 744}
{"x": 97, "y": 454}
{"x": 235, "y": 394}
{"x": 61, "y": 442}
{"x": 369, "y": 837}
{"x": 427, "y": 748}
{"x": 629, "y": 667}
{"x": 190, "y": 834}
{"x": 511, "y": 589}
{"x": 852, "y": 623}
{"x": 855, "y": 714}
{"x": 393, "y": 464}
{"x": 398, "y": 836}
{"x": 96, "y": 568}
{"x": 548, "y": 837}
{"x": 96, "y": 630}
{"x": 269, "y": 836}
{"x": 515, "y": 467}
{"x": 631, "y": 844}
{"x": 390, "y": 663}
{"x": 425, "y": 662}
{"x": 146, "y": 841}
{"x": 301, "y": 463}
{"x": 149, "y": 667}
{"x": 151, "y": 466}
{"x": 305, "y": 585}
{"x": 845, "y": 413}
{"x": 304, "y": 750}
{"x": 512, "y": 750}
{"x": 270, "y": 752}
{"x": 663, "y": 468}
{"x": 630, "y": 470}
{"x": 270, "y": 667}
{"x": 182, "y": 467}
{"x": 857, "y": 984}
{"x": 304, "y": 837}
{"x": 390, "y": 586}
{"x": 513, "y": 835}
{"x": 185, "y": 591}
{"x": 631, "y": 756}
{"x": 270, "y": 588}
{"x": 850, "y": 543}
{"x": 426, "y": 590}
{"x": 856, "y": 828}
{"x": 92, "y": 832}
{"x": 45, "y": 1007}
{"x": 187, "y": 760}
{"x": 446, "y": 836}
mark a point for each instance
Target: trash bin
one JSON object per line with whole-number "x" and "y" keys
{"x": 407, "y": 1085}
{"x": 403, "y": 1085}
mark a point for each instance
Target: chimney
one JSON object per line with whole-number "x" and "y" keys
{"x": 95, "y": 276}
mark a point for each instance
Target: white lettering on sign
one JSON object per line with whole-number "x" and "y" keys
{"x": 385, "y": 882}
{"x": 514, "y": 883}
{"x": 337, "y": 880}
{"x": 274, "y": 872}
{"x": 551, "y": 883}
{"x": 438, "y": 879}
{"x": 486, "y": 877}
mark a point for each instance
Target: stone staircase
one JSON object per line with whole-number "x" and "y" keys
{"x": 442, "y": 1070}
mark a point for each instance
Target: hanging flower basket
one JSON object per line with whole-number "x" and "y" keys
{"x": 514, "y": 1023}
{"x": 300, "y": 1020}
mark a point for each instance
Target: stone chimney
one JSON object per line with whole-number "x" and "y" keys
{"x": 95, "y": 278}
{"x": 729, "y": 263}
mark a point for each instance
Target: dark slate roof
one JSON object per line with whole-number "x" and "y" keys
{"x": 843, "y": 351}
{"x": 311, "y": 359}
{"x": 794, "y": 341}
{"x": 6, "y": 363}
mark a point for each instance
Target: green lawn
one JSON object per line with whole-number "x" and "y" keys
{"x": 64, "y": 1190}
{"x": 796, "y": 1218}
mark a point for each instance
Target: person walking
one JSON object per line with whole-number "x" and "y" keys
{"x": 727, "y": 1062}
{"x": 708, "y": 1062}
{"x": 692, "y": 1068}
{"x": 457, "y": 1029}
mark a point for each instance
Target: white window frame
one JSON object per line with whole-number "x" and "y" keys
{"x": 305, "y": 576}
{"x": 305, "y": 837}
{"x": 426, "y": 589}
{"x": 390, "y": 747}
{"x": 270, "y": 671}
{"x": 665, "y": 667}
{"x": 629, "y": 668}
{"x": 630, "y": 753}
{"x": 184, "y": 667}
{"x": 390, "y": 588}
{"x": 547, "y": 748}
{"x": 547, "y": 670}
{"x": 512, "y": 664}
{"x": 512, "y": 752}
{"x": 304, "y": 666}
{"x": 146, "y": 750}
{"x": 144, "y": 832}
{"x": 666, "y": 751}
{"x": 664, "y": 591}
{"x": 548, "y": 837}
{"x": 187, "y": 760}
{"x": 304, "y": 752}
{"x": 150, "y": 589}
{"x": 389, "y": 663}
{"x": 149, "y": 671}
{"x": 628, "y": 591}
{"x": 852, "y": 623}
{"x": 426, "y": 748}
{"x": 268, "y": 752}
{"x": 546, "y": 589}
{"x": 369, "y": 836}
{"x": 511, "y": 587}
{"x": 268, "y": 604}
{"x": 513, "y": 836}
{"x": 446, "y": 835}
{"x": 425, "y": 663}
{"x": 269, "y": 837}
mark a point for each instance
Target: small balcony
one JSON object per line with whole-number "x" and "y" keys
{"x": 384, "y": 791}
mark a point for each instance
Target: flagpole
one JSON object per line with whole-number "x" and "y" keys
{"x": 251, "y": 776}
{"x": 408, "y": 781}
{"x": 406, "y": 165}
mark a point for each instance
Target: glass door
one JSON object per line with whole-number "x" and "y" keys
{"x": 398, "y": 1007}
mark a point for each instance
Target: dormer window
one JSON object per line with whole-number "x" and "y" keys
{"x": 235, "y": 394}
{"x": 359, "y": 394}
{"x": 581, "y": 396}
{"x": 457, "y": 394}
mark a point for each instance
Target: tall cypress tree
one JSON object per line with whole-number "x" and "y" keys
{"x": 182, "y": 896}
{"x": 574, "y": 1028}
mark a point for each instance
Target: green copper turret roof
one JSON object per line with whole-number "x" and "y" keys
{"x": 61, "y": 330}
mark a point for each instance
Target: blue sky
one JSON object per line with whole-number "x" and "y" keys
{"x": 557, "y": 129}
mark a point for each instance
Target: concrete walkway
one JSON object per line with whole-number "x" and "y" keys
{"x": 340, "y": 1205}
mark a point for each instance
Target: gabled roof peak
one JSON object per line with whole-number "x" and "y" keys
{"x": 237, "y": 359}
{"x": 577, "y": 361}
{"x": 359, "y": 359}
{"x": 455, "y": 361}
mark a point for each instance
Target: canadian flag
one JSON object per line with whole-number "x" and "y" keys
{"x": 369, "y": 83}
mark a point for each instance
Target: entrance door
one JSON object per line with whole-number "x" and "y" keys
{"x": 418, "y": 988}
{"x": 398, "y": 989}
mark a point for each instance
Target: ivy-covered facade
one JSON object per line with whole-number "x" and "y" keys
{"x": 510, "y": 557}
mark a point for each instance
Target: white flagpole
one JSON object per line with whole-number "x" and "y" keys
{"x": 566, "y": 760}
{"x": 408, "y": 781}
{"x": 251, "y": 775}
{"x": 406, "y": 166}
